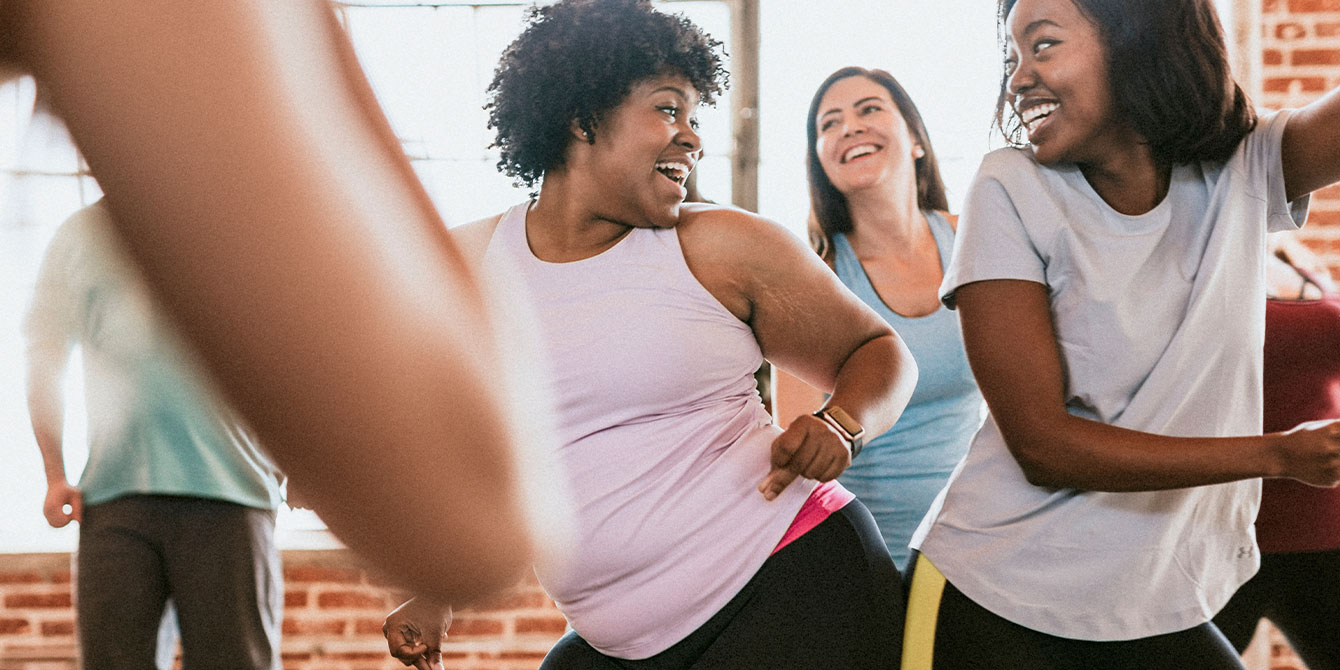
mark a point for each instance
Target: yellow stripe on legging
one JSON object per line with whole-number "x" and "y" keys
{"x": 923, "y": 610}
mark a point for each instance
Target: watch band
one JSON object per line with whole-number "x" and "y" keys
{"x": 845, "y": 425}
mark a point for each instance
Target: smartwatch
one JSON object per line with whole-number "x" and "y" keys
{"x": 846, "y": 426}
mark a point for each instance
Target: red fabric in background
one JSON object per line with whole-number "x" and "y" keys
{"x": 1302, "y": 383}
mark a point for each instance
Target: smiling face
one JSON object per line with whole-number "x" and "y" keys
{"x": 645, "y": 149}
{"x": 861, "y": 140}
{"x": 1057, "y": 83}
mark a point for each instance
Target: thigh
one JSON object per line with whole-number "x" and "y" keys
{"x": 948, "y": 631}
{"x": 1307, "y": 606}
{"x": 573, "y": 653}
{"x": 224, "y": 576}
{"x": 120, "y": 587}
{"x": 832, "y": 598}
{"x": 1246, "y": 608}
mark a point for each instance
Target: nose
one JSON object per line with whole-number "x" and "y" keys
{"x": 852, "y": 127}
{"x": 688, "y": 138}
{"x": 1020, "y": 80}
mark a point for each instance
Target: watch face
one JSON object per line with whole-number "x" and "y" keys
{"x": 843, "y": 419}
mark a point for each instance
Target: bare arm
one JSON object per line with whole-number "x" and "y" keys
{"x": 792, "y": 398}
{"x": 1310, "y": 146}
{"x": 807, "y": 323}
{"x": 46, "y": 409}
{"x": 1011, "y": 345}
{"x": 259, "y": 187}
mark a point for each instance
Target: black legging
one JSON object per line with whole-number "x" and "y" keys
{"x": 1300, "y": 594}
{"x": 968, "y": 637}
{"x": 830, "y": 599}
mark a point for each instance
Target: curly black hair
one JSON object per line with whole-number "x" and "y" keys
{"x": 578, "y": 59}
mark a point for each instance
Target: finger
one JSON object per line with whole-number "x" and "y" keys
{"x": 77, "y": 507}
{"x": 784, "y": 448}
{"x": 776, "y": 482}
{"x": 435, "y": 660}
{"x": 803, "y": 461}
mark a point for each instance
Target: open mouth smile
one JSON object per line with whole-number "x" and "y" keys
{"x": 675, "y": 171}
{"x": 859, "y": 151}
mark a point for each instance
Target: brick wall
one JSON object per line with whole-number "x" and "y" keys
{"x": 333, "y": 614}
{"x": 1300, "y": 60}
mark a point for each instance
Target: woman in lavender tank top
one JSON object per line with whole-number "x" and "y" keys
{"x": 706, "y": 536}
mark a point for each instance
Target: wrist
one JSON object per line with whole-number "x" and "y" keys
{"x": 847, "y": 427}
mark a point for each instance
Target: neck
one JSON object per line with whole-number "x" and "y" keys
{"x": 563, "y": 225}
{"x": 1129, "y": 181}
{"x": 883, "y": 222}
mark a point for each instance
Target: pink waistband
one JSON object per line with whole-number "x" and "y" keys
{"x": 827, "y": 497}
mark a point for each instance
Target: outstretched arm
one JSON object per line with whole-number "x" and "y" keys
{"x": 260, "y": 188}
{"x": 1011, "y": 345}
{"x": 1311, "y": 145}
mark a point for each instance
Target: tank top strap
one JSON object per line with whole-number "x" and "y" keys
{"x": 944, "y": 235}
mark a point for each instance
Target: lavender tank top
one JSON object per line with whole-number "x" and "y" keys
{"x": 663, "y": 438}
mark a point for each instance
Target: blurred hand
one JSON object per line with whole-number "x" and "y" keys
{"x": 59, "y": 496}
{"x": 1312, "y": 453}
{"x": 809, "y": 448}
{"x": 414, "y": 633}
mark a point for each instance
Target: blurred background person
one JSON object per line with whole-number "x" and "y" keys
{"x": 880, "y": 219}
{"x": 176, "y": 500}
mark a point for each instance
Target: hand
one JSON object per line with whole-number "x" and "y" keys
{"x": 59, "y": 495}
{"x": 414, "y": 633}
{"x": 1312, "y": 453}
{"x": 809, "y": 448}
{"x": 294, "y": 497}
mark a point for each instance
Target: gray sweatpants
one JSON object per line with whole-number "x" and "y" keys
{"x": 216, "y": 560}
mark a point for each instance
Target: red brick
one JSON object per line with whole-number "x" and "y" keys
{"x": 1298, "y": 6}
{"x": 352, "y": 600}
{"x": 20, "y": 578}
{"x": 313, "y": 573}
{"x": 1269, "y": 6}
{"x": 1290, "y": 31}
{"x": 38, "y": 600}
{"x": 518, "y": 600}
{"x": 553, "y": 625}
{"x": 57, "y": 628}
{"x": 1329, "y": 193}
{"x": 1286, "y": 84}
{"x": 1322, "y": 218}
{"x": 521, "y": 655}
{"x": 1316, "y": 56}
{"x": 357, "y": 656}
{"x": 368, "y": 627}
{"x": 295, "y": 599}
{"x": 1272, "y": 57}
{"x": 62, "y": 577}
{"x": 313, "y": 626}
{"x": 1326, "y": 28}
{"x": 473, "y": 627}
{"x": 14, "y": 626}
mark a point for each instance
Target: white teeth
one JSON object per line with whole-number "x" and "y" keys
{"x": 679, "y": 172}
{"x": 858, "y": 151}
{"x": 1037, "y": 112}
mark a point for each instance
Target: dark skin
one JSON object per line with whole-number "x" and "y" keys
{"x": 1007, "y": 324}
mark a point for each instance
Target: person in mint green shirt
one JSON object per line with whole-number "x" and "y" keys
{"x": 177, "y": 501}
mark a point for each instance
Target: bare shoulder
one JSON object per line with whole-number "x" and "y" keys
{"x": 709, "y": 232}
{"x": 473, "y": 238}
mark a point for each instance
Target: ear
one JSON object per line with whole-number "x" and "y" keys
{"x": 578, "y": 132}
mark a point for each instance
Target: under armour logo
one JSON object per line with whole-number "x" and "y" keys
{"x": 1246, "y": 552}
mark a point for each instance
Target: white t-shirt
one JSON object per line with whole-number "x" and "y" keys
{"x": 1160, "y": 323}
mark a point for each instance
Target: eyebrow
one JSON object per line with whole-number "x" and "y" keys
{"x": 858, "y": 103}
{"x": 673, "y": 89}
{"x": 1034, "y": 26}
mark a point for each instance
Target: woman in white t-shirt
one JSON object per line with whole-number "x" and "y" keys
{"x": 1108, "y": 272}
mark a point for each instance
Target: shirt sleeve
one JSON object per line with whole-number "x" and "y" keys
{"x": 993, "y": 241}
{"x": 51, "y": 325}
{"x": 1262, "y": 153}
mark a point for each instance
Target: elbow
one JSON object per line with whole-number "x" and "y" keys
{"x": 1037, "y": 459}
{"x": 907, "y": 373}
